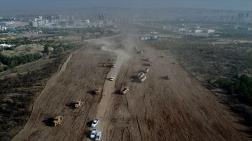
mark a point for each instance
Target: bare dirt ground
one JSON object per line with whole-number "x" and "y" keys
{"x": 178, "y": 108}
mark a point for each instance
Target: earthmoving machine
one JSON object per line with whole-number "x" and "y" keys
{"x": 94, "y": 123}
{"x": 111, "y": 78}
{"x": 146, "y": 70}
{"x": 109, "y": 65}
{"x": 95, "y": 135}
{"x": 97, "y": 91}
{"x": 141, "y": 76}
{"x": 98, "y": 136}
{"x": 57, "y": 120}
{"x": 124, "y": 90}
{"x": 76, "y": 104}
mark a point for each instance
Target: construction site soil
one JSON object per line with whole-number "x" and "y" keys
{"x": 169, "y": 105}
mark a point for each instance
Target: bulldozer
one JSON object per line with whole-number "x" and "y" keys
{"x": 124, "y": 90}
{"x": 76, "y": 104}
{"x": 57, "y": 120}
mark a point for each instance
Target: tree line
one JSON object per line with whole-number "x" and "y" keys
{"x": 12, "y": 61}
{"x": 241, "y": 85}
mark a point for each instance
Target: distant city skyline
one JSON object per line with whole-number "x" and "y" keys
{"x": 15, "y": 6}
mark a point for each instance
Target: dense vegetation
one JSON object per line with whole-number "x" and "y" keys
{"x": 17, "y": 95}
{"x": 51, "y": 47}
{"x": 16, "y": 41}
{"x": 237, "y": 85}
{"x": 12, "y": 61}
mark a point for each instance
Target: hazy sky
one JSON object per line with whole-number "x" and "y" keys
{"x": 28, "y": 5}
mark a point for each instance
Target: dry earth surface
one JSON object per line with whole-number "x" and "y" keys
{"x": 177, "y": 108}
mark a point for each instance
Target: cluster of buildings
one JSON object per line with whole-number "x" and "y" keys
{"x": 197, "y": 30}
{"x": 66, "y": 22}
{"x": 59, "y": 21}
{"x": 3, "y": 28}
{"x": 5, "y": 25}
{"x": 11, "y": 24}
{"x": 5, "y": 46}
{"x": 150, "y": 36}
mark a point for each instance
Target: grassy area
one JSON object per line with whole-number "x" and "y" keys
{"x": 23, "y": 50}
{"x": 18, "y": 93}
{"x": 225, "y": 67}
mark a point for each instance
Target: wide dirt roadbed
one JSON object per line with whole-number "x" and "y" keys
{"x": 75, "y": 80}
{"x": 173, "y": 108}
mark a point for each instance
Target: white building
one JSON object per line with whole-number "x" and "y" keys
{"x": 210, "y": 31}
{"x": 198, "y": 31}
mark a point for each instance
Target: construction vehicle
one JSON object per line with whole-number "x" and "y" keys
{"x": 76, "y": 104}
{"x": 111, "y": 78}
{"x": 57, "y": 120}
{"x": 93, "y": 134}
{"x": 109, "y": 65}
{"x": 146, "y": 70}
{"x": 113, "y": 66}
{"x": 94, "y": 123}
{"x": 141, "y": 76}
{"x": 98, "y": 136}
{"x": 124, "y": 90}
{"x": 97, "y": 91}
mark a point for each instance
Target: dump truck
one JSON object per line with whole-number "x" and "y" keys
{"x": 141, "y": 76}
{"x": 142, "y": 79}
{"x": 124, "y": 90}
{"x": 57, "y": 120}
{"x": 76, "y": 104}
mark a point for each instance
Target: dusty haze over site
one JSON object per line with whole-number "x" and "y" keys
{"x": 125, "y": 70}
{"x": 26, "y": 6}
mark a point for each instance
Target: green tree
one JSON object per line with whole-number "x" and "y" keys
{"x": 46, "y": 49}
